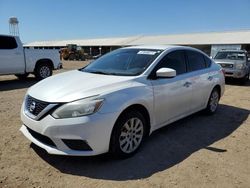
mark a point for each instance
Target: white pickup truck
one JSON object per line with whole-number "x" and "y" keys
{"x": 14, "y": 59}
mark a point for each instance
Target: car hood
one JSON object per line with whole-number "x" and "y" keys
{"x": 74, "y": 85}
{"x": 226, "y": 61}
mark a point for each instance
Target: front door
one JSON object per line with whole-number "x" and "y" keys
{"x": 172, "y": 96}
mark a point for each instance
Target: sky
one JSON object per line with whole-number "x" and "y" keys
{"x": 81, "y": 19}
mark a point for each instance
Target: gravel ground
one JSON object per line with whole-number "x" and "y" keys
{"x": 198, "y": 151}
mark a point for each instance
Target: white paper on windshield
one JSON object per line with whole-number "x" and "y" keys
{"x": 146, "y": 52}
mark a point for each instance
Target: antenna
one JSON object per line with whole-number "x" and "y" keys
{"x": 13, "y": 26}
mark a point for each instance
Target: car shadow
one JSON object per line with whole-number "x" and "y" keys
{"x": 236, "y": 82}
{"x": 8, "y": 85}
{"x": 165, "y": 148}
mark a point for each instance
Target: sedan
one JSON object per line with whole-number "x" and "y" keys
{"x": 118, "y": 100}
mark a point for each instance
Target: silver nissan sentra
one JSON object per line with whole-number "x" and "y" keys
{"x": 115, "y": 102}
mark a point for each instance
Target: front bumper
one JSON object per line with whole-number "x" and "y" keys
{"x": 95, "y": 130}
{"x": 234, "y": 73}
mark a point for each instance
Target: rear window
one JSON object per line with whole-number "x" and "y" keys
{"x": 196, "y": 60}
{"x": 7, "y": 42}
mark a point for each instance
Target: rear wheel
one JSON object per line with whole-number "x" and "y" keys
{"x": 22, "y": 76}
{"x": 82, "y": 58}
{"x": 213, "y": 101}
{"x": 244, "y": 79}
{"x": 128, "y": 134}
{"x": 43, "y": 71}
{"x": 72, "y": 57}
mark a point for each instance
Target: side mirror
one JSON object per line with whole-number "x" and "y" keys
{"x": 166, "y": 73}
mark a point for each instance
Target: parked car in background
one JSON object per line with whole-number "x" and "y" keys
{"x": 14, "y": 59}
{"x": 116, "y": 101}
{"x": 235, "y": 63}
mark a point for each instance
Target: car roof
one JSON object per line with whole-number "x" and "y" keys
{"x": 5, "y": 35}
{"x": 156, "y": 47}
{"x": 232, "y": 51}
{"x": 164, "y": 48}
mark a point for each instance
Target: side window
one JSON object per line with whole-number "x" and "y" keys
{"x": 208, "y": 61}
{"x": 7, "y": 42}
{"x": 174, "y": 60}
{"x": 196, "y": 60}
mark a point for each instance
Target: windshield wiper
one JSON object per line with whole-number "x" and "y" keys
{"x": 99, "y": 72}
{"x": 107, "y": 73}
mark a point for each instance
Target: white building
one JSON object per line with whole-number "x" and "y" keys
{"x": 208, "y": 42}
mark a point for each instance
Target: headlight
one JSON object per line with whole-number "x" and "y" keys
{"x": 239, "y": 65}
{"x": 78, "y": 108}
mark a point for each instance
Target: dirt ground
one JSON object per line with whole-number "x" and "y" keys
{"x": 198, "y": 151}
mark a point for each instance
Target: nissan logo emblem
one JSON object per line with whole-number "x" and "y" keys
{"x": 32, "y": 106}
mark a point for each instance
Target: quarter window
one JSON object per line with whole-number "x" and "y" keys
{"x": 208, "y": 61}
{"x": 195, "y": 60}
{"x": 7, "y": 42}
{"x": 174, "y": 60}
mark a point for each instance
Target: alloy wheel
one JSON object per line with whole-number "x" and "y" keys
{"x": 45, "y": 72}
{"x": 131, "y": 135}
{"x": 214, "y": 100}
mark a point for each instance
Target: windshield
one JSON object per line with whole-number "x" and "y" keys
{"x": 125, "y": 62}
{"x": 230, "y": 55}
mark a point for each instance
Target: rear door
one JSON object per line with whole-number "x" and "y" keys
{"x": 11, "y": 56}
{"x": 202, "y": 78}
{"x": 172, "y": 96}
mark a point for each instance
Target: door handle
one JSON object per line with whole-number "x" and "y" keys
{"x": 187, "y": 84}
{"x": 210, "y": 78}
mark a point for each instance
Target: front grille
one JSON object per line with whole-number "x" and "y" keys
{"x": 226, "y": 65}
{"x": 35, "y": 106}
{"x": 44, "y": 139}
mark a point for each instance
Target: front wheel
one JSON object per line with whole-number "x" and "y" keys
{"x": 128, "y": 134}
{"x": 43, "y": 71}
{"x": 213, "y": 101}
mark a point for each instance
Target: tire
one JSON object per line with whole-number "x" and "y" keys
{"x": 72, "y": 57}
{"x": 22, "y": 76}
{"x": 82, "y": 57}
{"x": 65, "y": 58}
{"x": 213, "y": 102}
{"x": 43, "y": 70}
{"x": 128, "y": 134}
{"x": 244, "y": 79}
